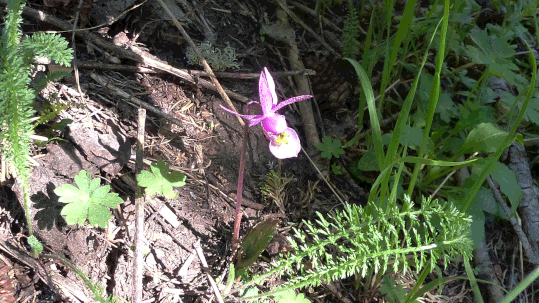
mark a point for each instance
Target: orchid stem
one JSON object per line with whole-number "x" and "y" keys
{"x": 237, "y": 221}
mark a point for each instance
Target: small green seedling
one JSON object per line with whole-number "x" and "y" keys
{"x": 160, "y": 181}
{"x": 336, "y": 169}
{"x": 35, "y": 244}
{"x": 330, "y": 148}
{"x": 90, "y": 200}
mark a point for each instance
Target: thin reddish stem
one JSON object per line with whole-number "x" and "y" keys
{"x": 237, "y": 220}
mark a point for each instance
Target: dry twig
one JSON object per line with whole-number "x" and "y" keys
{"x": 139, "y": 211}
{"x": 200, "y": 254}
{"x": 532, "y": 256}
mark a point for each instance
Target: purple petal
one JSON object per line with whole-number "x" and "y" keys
{"x": 285, "y": 145}
{"x": 266, "y": 88}
{"x": 253, "y": 119}
{"x": 274, "y": 123}
{"x": 290, "y": 101}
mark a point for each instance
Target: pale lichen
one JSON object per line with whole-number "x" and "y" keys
{"x": 218, "y": 59}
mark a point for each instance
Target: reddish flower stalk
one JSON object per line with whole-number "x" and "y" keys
{"x": 237, "y": 218}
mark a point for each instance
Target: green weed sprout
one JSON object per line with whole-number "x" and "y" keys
{"x": 89, "y": 201}
{"x": 159, "y": 181}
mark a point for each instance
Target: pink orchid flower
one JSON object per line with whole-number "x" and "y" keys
{"x": 284, "y": 141}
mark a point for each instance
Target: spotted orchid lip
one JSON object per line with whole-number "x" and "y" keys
{"x": 273, "y": 123}
{"x": 287, "y": 147}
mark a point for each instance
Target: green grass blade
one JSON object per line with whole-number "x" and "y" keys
{"x": 434, "y": 94}
{"x": 473, "y": 281}
{"x": 402, "y": 32}
{"x": 375, "y": 123}
{"x": 521, "y": 286}
{"x": 403, "y": 116}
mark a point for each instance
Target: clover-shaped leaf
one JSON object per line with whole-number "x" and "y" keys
{"x": 493, "y": 51}
{"x": 159, "y": 181}
{"x": 87, "y": 200}
{"x": 289, "y": 296}
{"x": 330, "y": 148}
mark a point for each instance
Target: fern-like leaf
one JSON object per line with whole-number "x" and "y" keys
{"x": 350, "y": 34}
{"x": 357, "y": 239}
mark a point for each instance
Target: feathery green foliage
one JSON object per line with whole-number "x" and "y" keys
{"x": 16, "y": 96}
{"x": 350, "y": 34}
{"x": 357, "y": 239}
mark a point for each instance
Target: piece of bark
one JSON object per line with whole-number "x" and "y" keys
{"x": 109, "y": 151}
{"x": 529, "y": 205}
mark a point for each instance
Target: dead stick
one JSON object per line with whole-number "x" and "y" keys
{"x": 205, "y": 64}
{"x": 305, "y": 72}
{"x": 133, "y": 53}
{"x": 530, "y": 253}
{"x": 139, "y": 211}
{"x": 140, "y": 69}
{"x": 205, "y": 268}
{"x": 305, "y": 108}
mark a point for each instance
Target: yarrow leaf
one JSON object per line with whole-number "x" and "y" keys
{"x": 160, "y": 181}
{"x": 87, "y": 200}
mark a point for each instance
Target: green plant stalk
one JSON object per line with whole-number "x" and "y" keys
{"x": 536, "y": 25}
{"x": 473, "y": 281}
{"x": 424, "y": 273}
{"x": 95, "y": 289}
{"x": 402, "y": 32}
{"x": 365, "y": 63}
{"x": 27, "y": 207}
{"x": 393, "y": 196}
{"x": 494, "y": 158}
{"x": 434, "y": 95}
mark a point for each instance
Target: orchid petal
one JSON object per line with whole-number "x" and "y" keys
{"x": 290, "y": 101}
{"x": 253, "y": 119}
{"x": 289, "y": 147}
{"x": 266, "y": 88}
{"x": 274, "y": 123}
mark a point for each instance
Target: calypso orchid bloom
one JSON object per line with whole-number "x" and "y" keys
{"x": 284, "y": 141}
